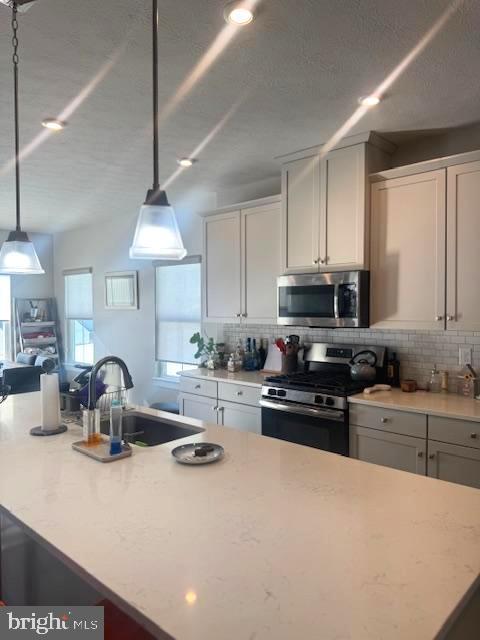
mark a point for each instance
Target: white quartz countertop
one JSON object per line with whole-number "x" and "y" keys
{"x": 275, "y": 542}
{"x": 249, "y": 378}
{"x": 448, "y": 405}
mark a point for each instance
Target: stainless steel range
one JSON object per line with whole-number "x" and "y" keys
{"x": 311, "y": 407}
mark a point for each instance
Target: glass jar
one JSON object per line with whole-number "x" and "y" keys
{"x": 435, "y": 383}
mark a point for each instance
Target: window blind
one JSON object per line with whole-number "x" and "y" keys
{"x": 5, "y": 299}
{"x": 78, "y": 294}
{"x": 178, "y": 310}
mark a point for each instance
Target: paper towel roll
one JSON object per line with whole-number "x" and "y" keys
{"x": 50, "y": 401}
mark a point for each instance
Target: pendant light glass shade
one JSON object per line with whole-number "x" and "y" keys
{"x": 18, "y": 256}
{"x": 157, "y": 236}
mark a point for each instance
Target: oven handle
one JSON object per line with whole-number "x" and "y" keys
{"x": 293, "y": 407}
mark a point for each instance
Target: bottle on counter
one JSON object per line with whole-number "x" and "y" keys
{"x": 116, "y": 414}
{"x": 435, "y": 383}
{"x": 234, "y": 363}
{"x": 255, "y": 355}
{"x": 393, "y": 371}
{"x": 262, "y": 352}
{"x": 444, "y": 376}
{"x": 240, "y": 353}
{"x": 249, "y": 363}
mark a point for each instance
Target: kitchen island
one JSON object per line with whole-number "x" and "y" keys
{"x": 275, "y": 542}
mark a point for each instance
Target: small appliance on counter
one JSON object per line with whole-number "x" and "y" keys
{"x": 310, "y": 407}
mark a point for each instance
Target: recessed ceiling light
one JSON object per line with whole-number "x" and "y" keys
{"x": 369, "y": 101}
{"x": 186, "y": 162}
{"x": 238, "y": 13}
{"x": 53, "y": 124}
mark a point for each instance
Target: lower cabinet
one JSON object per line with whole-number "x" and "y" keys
{"x": 454, "y": 463}
{"x": 198, "y": 407}
{"x": 240, "y": 416}
{"x": 388, "y": 449}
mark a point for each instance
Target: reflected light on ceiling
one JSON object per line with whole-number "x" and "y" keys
{"x": 369, "y": 101}
{"x": 393, "y": 76}
{"x": 53, "y": 124}
{"x": 239, "y": 13}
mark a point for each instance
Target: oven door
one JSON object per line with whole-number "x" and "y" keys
{"x": 325, "y": 429}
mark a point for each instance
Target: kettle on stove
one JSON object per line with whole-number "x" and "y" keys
{"x": 362, "y": 366}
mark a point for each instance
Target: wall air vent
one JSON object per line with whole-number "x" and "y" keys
{"x": 23, "y": 5}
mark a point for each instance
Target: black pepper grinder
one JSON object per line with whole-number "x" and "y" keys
{"x": 393, "y": 371}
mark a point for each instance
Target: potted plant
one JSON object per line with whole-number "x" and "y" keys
{"x": 206, "y": 349}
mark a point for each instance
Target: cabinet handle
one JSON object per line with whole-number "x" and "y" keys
{"x": 431, "y": 456}
{"x": 323, "y": 260}
{"x": 244, "y": 315}
{"x": 438, "y": 318}
{"x": 451, "y": 318}
{"x": 240, "y": 393}
{"x": 420, "y": 454}
{"x": 316, "y": 261}
{"x": 384, "y": 420}
{"x": 239, "y": 315}
{"x": 215, "y": 408}
{"x": 474, "y": 435}
{"x": 198, "y": 386}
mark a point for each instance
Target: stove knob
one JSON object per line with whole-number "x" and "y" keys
{"x": 281, "y": 393}
{"x": 330, "y": 402}
{"x": 318, "y": 399}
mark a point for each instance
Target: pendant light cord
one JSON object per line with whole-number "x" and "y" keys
{"x": 156, "y": 182}
{"x": 15, "y": 102}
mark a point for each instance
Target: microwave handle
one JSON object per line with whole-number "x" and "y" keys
{"x": 336, "y": 310}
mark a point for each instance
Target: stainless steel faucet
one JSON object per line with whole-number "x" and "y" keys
{"x": 127, "y": 378}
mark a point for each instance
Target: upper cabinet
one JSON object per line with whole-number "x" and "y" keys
{"x": 242, "y": 260}
{"x": 463, "y": 246}
{"x": 408, "y": 252}
{"x": 426, "y": 244}
{"x": 325, "y": 219}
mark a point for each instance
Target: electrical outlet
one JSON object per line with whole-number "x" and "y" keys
{"x": 464, "y": 356}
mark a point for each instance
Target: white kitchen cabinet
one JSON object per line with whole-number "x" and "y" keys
{"x": 242, "y": 262}
{"x": 198, "y": 407}
{"x": 463, "y": 246}
{"x": 222, "y": 267}
{"x": 408, "y": 262}
{"x": 301, "y": 214}
{"x": 240, "y": 416}
{"x": 388, "y": 449}
{"x": 343, "y": 213}
{"x": 326, "y": 199}
{"x": 261, "y": 262}
{"x": 454, "y": 463}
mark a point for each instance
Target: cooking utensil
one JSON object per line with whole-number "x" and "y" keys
{"x": 361, "y": 369}
{"x": 281, "y": 344}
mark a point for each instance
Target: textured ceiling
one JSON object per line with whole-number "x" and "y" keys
{"x": 286, "y": 82}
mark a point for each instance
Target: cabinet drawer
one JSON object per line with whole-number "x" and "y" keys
{"x": 239, "y": 393}
{"x": 403, "y": 422}
{"x": 199, "y": 386}
{"x": 463, "y": 432}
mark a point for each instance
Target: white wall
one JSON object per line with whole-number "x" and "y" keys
{"x": 128, "y": 334}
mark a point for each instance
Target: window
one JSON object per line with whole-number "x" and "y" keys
{"x": 178, "y": 314}
{"x": 5, "y": 317}
{"x": 79, "y": 316}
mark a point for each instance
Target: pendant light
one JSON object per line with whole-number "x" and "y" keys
{"x": 157, "y": 236}
{"x": 18, "y": 255}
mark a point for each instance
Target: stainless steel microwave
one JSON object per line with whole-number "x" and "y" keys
{"x": 337, "y": 299}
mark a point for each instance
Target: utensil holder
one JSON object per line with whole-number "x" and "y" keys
{"x": 289, "y": 363}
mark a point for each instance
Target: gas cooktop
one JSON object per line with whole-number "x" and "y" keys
{"x": 336, "y": 384}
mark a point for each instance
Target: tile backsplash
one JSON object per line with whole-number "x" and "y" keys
{"x": 417, "y": 351}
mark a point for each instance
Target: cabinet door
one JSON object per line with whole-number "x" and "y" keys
{"x": 463, "y": 246}
{"x": 198, "y": 407}
{"x": 408, "y": 252}
{"x": 388, "y": 449}
{"x": 343, "y": 218}
{"x": 301, "y": 215}
{"x": 454, "y": 463}
{"x": 222, "y": 279}
{"x": 240, "y": 416}
{"x": 261, "y": 263}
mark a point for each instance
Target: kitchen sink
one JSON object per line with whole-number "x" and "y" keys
{"x": 150, "y": 430}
